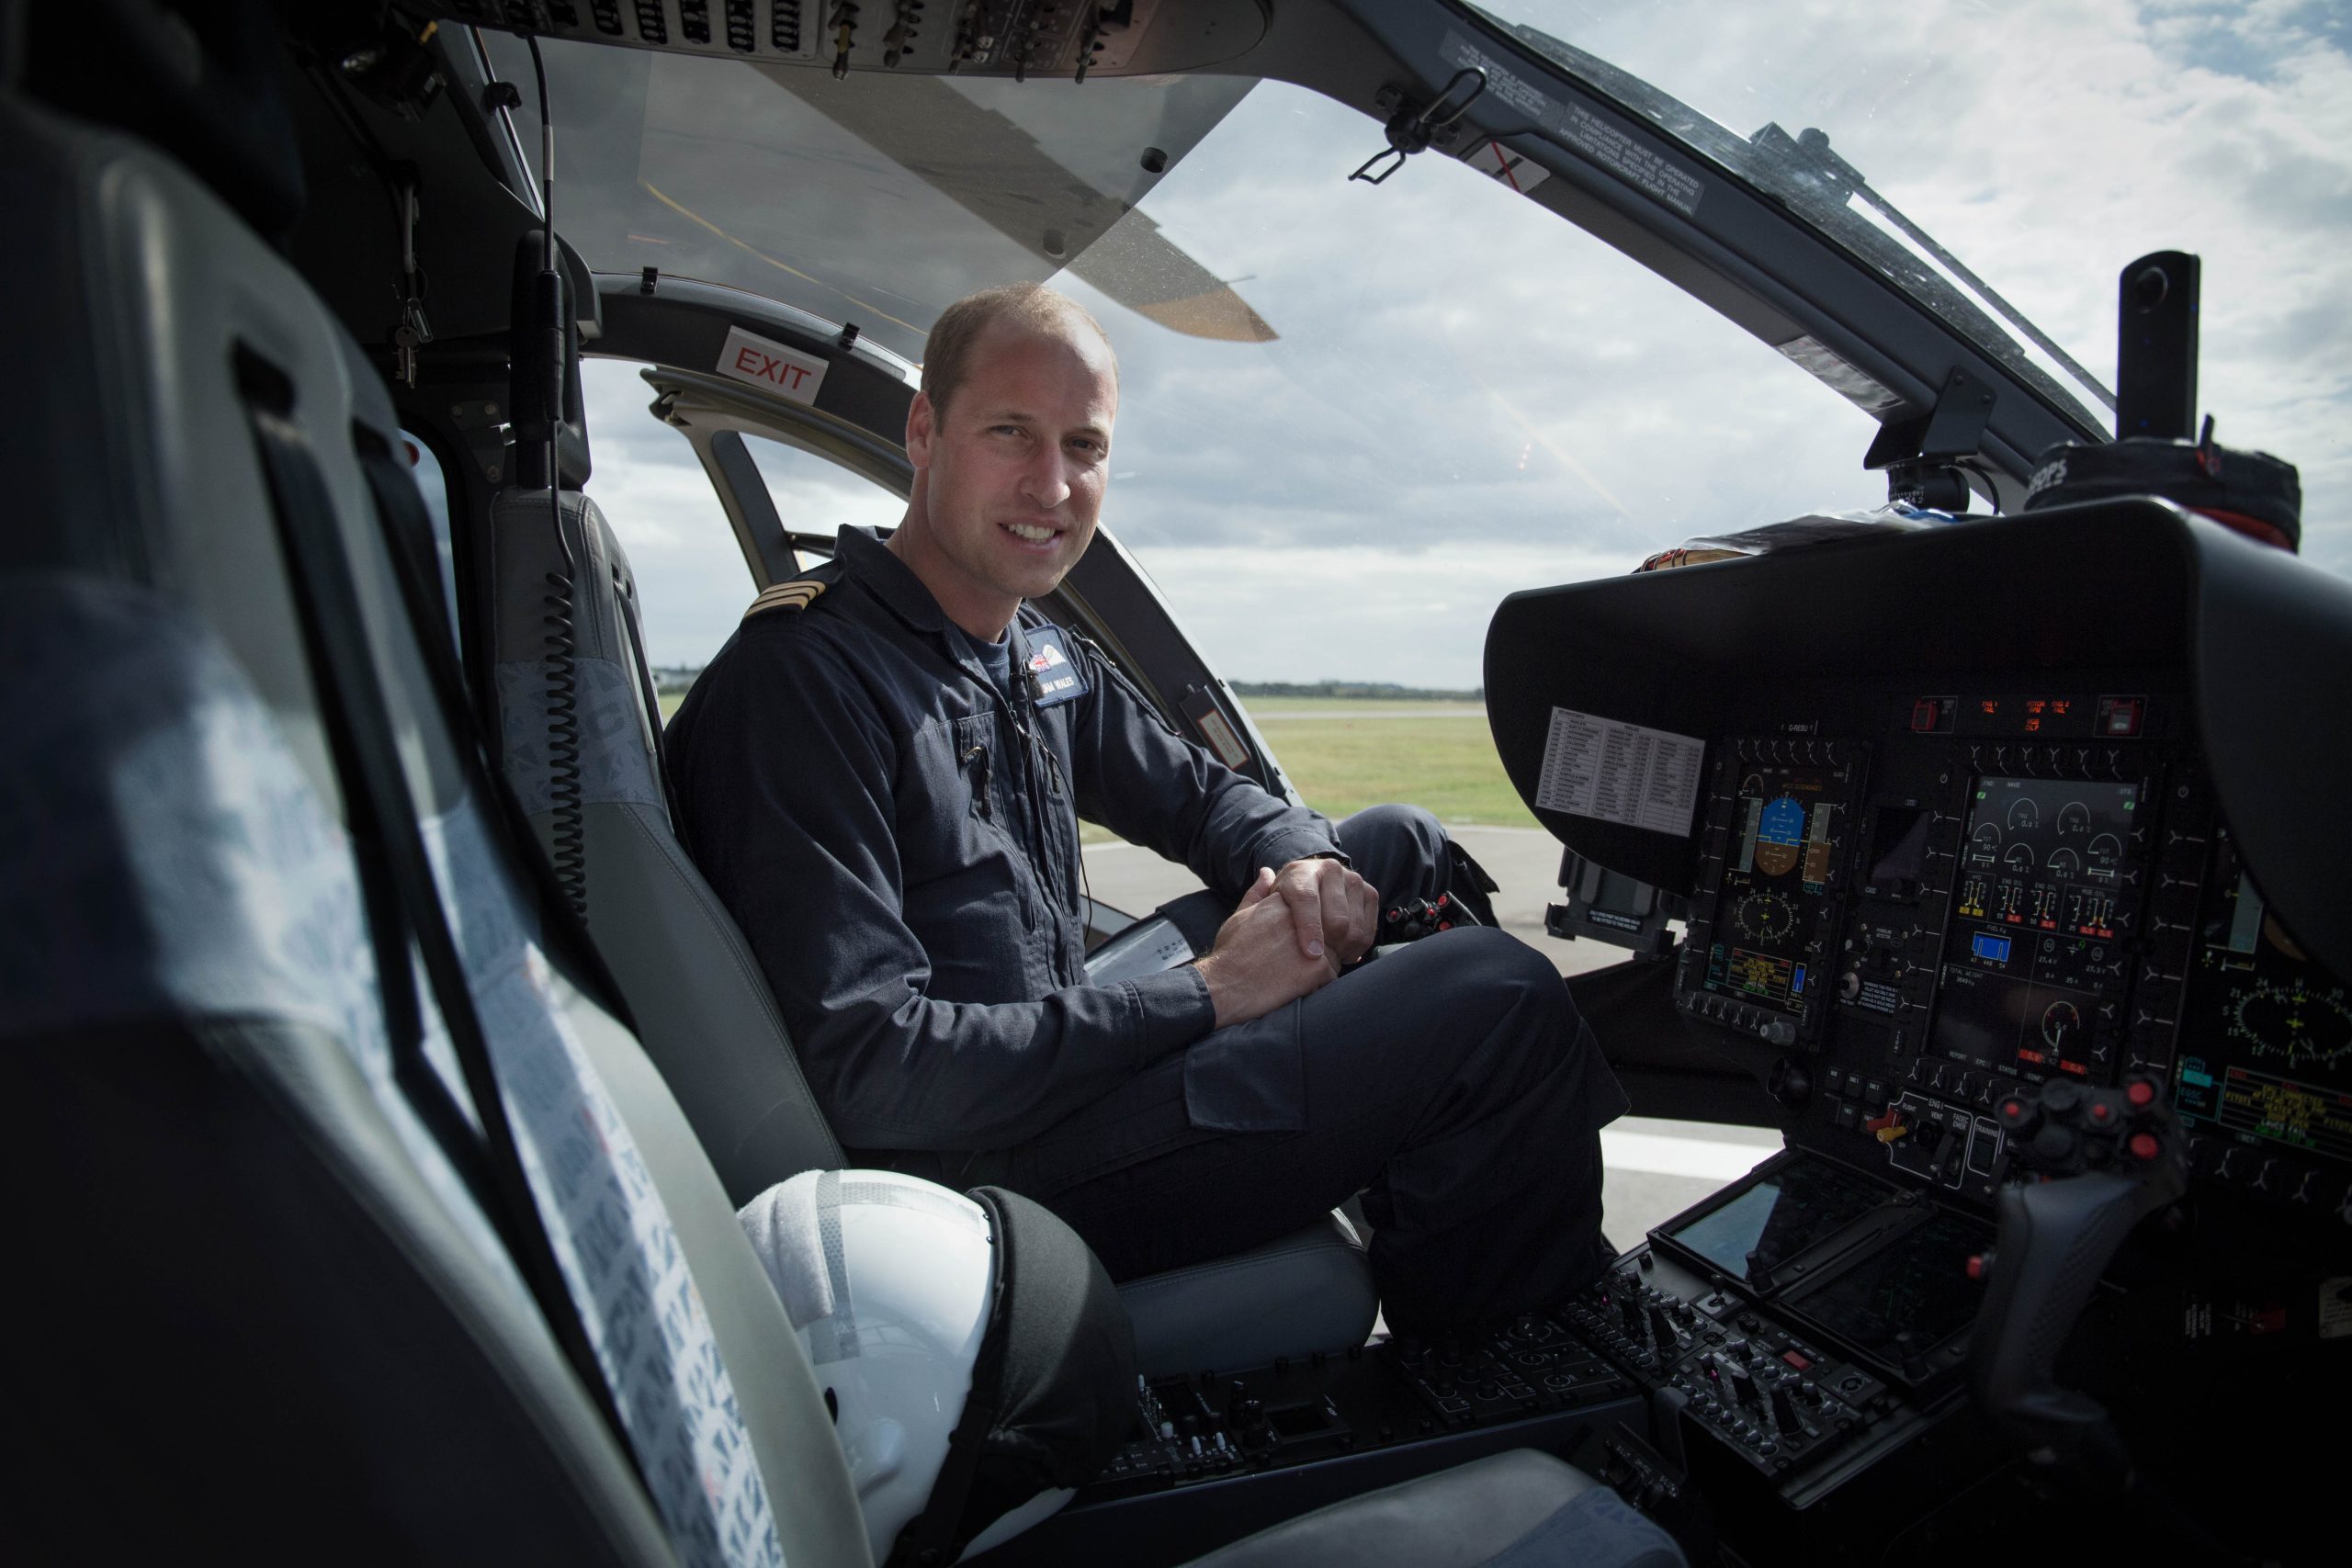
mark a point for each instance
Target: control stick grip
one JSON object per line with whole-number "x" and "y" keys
{"x": 2056, "y": 1239}
{"x": 2110, "y": 1159}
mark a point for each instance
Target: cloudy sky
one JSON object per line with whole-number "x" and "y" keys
{"x": 1468, "y": 396}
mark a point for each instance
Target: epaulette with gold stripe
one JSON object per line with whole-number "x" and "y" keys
{"x": 797, "y": 594}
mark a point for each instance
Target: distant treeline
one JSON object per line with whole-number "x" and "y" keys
{"x": 1356, "y": 690}
{"x": 675, "y": 678}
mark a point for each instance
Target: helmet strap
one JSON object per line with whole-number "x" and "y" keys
{"x": 929, "y": 1539}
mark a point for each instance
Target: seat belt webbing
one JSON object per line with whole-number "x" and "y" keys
{"x": 382, "y": 808}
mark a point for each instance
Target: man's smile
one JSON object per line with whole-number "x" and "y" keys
{"x": 1031, "y": 533}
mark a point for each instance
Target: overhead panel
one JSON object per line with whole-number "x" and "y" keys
{"x": 979, "y": 38}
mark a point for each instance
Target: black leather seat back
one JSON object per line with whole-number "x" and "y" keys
{"x": 268, "y": 1311}
{"x": 252, "y": 1295}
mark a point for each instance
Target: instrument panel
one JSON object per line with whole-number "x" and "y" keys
{"x": 1991, "y": 888}
{"x": 2266, "y": 1053}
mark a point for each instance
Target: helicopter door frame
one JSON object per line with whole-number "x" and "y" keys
{"x": 856, "y": 419}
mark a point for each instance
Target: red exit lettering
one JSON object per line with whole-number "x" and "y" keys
{"x": 767, "y": 367}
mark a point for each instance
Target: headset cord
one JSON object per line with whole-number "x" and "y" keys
{"x": 569, "y": 834}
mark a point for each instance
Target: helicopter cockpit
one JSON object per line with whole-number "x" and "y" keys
{"x": 390, "y": 1079}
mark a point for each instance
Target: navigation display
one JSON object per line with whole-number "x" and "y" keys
{"x": 1783, "y": 1213}
{"x": 2036, "y": 956}
{"x": 2266, "y": 1038}
{"x": 1787, "y": 828}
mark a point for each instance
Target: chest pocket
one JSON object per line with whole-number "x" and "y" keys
{"x": 982, "y": 765}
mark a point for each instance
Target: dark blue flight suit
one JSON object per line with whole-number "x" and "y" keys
{"x": 898, "y": 837}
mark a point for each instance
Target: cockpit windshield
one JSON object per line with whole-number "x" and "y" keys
{"x": 879, "y": 201}
{"x": 1425, "y": 394}
{"x": 1998, "y": 162}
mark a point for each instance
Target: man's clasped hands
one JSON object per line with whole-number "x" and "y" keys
{"x": 1292, "y": 933}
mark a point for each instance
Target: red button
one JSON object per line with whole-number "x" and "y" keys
{"x": 2143, "y": 1145}
{"x": 1792, "y": 1359}
{"x": 1976, "y": 1265}
{"x": 1927, "y": 714}
{"x": 2100, "y": 1113}
{"x": 2141, "y": 1093}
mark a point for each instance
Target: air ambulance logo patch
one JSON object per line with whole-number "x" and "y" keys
{"x": 1052, "y": 676}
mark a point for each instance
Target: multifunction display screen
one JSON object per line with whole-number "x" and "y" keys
{"x": 2266, "y": 1037}
{"x": 1918, "y": 1286}
{"x": 1776, "y": 1217}
{"x": 1788, "y": 825}
{"x": 2035, "y": 960}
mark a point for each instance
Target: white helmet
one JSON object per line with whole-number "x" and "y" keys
{"x": 907, "y": 1298}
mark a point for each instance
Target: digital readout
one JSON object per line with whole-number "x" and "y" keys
{"x": 2041, "y": 904}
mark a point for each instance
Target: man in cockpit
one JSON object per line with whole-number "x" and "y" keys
{"x": 882, "y": 774}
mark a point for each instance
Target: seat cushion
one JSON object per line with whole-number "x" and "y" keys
{"x": 1510, "y": 1510}
{"x": 1309, "y": 1291}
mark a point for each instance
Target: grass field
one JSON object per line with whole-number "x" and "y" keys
{"x": 1410, "y": 753}
{"x": 1437, "y": 755}
{"x": 1264, "y": 708}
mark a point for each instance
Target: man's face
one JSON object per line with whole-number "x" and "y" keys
{"x": 1014, "y": 470}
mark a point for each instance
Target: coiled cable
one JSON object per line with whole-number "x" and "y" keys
{"x": 569, "y": 834}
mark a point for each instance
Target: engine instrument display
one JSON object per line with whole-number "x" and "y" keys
{"x": 2266, "y": 1042}
{"x": 1782, "y": 839}
{"x": 2043, "y": 905}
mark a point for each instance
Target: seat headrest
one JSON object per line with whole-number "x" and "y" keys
{"x": 203, "y": 79}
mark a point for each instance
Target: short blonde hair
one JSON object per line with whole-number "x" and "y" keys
{"x": 947, "y": 354}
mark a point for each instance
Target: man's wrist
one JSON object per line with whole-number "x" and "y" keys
{"x": 1294, "y": 845}
{"x": 1176, "y": 1007}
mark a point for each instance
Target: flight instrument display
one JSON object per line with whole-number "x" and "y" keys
{"x": 2266, "y": 1042}
{"x": 1787, "y": 825}
{"x": 2036, "y": 956}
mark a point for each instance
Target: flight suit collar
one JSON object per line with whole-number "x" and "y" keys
{"x": 864, "y": 557}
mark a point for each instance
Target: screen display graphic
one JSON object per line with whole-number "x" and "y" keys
{"x": 1788, "y": 825}
{"x": 2265, "y": 1036}
{"x": 1778, "y": 1217}
{"x": 2036, "y": 951}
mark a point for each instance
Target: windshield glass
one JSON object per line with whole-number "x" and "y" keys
{"x": 1452, "y": 395}
{"x": 1354, "y": 417}
{"x": 2042, "y": 145}
{"x": 879, "y": 201}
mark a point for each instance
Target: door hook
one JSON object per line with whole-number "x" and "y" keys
{"x": 1410, "y": 130}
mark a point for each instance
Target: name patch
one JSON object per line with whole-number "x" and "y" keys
{"x": 1052, "y": 676}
